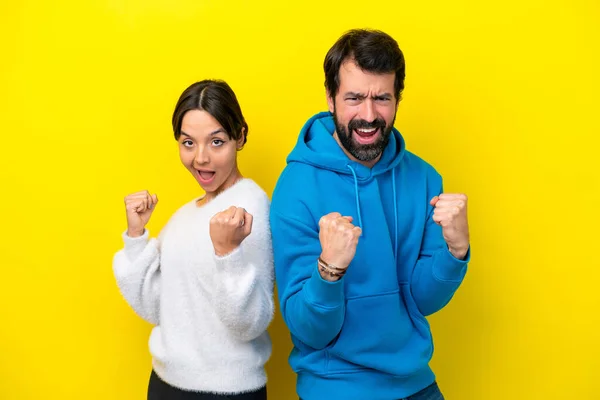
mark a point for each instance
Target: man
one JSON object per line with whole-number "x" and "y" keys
{"x": 366, "y": 243}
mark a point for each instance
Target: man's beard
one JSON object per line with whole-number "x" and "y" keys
{"x": 363, "y": 152}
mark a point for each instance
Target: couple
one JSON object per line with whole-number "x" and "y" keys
{"x": 361, "y": 240}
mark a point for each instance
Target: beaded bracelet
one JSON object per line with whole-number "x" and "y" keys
{"x": 329, "y": 269}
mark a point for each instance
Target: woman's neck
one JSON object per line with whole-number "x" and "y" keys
{"x": 234, "y": 178}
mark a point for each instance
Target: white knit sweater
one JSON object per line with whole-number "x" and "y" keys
{"x": 211, "y": 313}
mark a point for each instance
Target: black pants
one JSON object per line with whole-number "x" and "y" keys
{"x": 160, "y": 390}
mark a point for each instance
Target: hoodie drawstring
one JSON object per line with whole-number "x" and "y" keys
{"x": 360, "y": 225}
{"x": 395, "y": 214}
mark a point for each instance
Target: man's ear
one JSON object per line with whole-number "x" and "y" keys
{"x": 330, "y": 102}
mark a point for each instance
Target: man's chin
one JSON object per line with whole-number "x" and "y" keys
{"x": 366, "y": 153}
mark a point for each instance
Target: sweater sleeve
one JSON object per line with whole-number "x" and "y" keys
{"x": 137, "y": 272}
{"x": 243, "y": 297}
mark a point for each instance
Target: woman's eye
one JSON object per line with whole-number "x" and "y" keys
{"x": 188, "y": 143}
{"x": 218, "y": 142}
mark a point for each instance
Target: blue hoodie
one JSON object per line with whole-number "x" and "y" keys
{"x": 364, "y": 336}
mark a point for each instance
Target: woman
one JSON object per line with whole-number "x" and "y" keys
{"x": 206, "y": 283}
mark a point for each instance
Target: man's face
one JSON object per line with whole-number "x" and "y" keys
{"x": 364, "y": 110}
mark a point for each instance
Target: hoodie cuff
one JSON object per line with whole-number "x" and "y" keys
{"x": 135, "y": 245}
{"x": 323, "y": 293}
{"x": 446, "y": 267}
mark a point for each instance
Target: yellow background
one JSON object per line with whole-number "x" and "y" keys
{"x": 501, "y": 97}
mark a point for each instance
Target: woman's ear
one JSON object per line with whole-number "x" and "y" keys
{"x": 242, "y": 139}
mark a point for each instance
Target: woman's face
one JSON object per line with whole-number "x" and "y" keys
{"x": 208, "y": 152}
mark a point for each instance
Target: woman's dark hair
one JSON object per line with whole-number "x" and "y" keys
{"x": 372, "y": 50}
{"x": 216, "y": 98}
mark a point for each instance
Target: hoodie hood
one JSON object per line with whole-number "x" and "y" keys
{"x": 316, "y": 146}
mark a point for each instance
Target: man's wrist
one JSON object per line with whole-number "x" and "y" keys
{"x": 328, "y": 276}
{"x": 328, "y": 271}
{"x": 459, "y": 253}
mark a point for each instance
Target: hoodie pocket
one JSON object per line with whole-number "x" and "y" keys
{"x": 413, "y": 310}
{"x": 381, "y": 332}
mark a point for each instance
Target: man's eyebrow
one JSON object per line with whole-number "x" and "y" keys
{"x": 362, "y": 96}
{"x": 355, "y": 94}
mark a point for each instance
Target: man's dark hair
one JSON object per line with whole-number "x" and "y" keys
{"x": 372, "y": 50}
